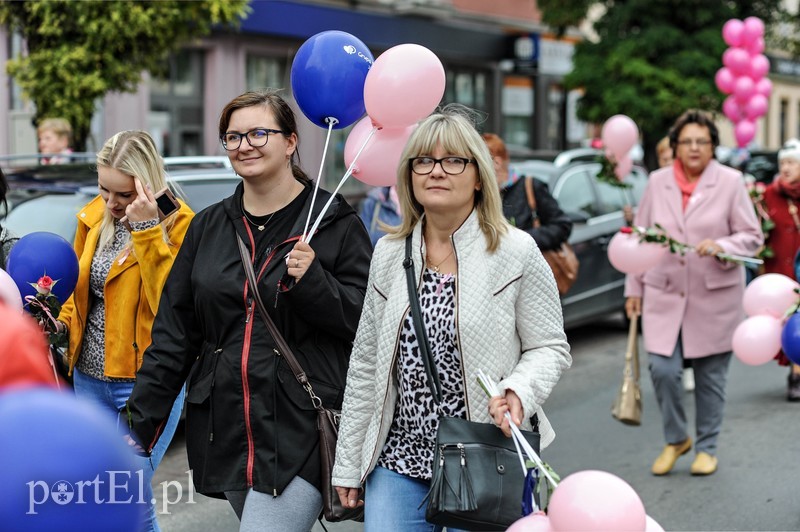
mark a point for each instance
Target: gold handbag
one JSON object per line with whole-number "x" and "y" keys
{"x": 627, "y": 407}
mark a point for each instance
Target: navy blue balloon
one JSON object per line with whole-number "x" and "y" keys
{"x": 328, "y": 75}
{"x": 43, "y": 253}
{"x": 790, "y": 338}
{"x": 59, "y": 457}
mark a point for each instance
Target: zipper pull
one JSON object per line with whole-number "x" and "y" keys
{"x": 249, "y": 311}
{"x": 463, "y": 454}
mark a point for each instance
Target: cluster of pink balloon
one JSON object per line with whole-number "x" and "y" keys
{"x": 590, "y": 501}
{"x": 619, "y": 135}
{"x": 743, "y": 76}
{"x": 627, "y": 254}
{"x": 405, "y": 85}
{"x": 760, "y": 337}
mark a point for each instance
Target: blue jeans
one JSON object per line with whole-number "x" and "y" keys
{"x": 393, "y": 503}
{"x": 111, "y": 397}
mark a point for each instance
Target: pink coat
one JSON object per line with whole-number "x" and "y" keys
{"x": 700, "y": 296}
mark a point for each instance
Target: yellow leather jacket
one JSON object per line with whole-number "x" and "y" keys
{"x": 131, "y": 293}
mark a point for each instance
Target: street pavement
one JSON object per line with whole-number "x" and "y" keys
{"x": 755, "y": 488}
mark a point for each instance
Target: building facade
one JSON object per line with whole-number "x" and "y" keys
{"x": 498, "y": 58}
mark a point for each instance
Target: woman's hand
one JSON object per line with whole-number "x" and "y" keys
{"x": 708, "y": 247}
{"x": 633, "y": 307}
{"x": 299, "y": 260}
{"x": 498, "y": 406}
{"x": 144, "y": 207}
{"x": 349, "y": 497}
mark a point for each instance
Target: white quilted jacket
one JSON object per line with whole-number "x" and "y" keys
{"x": 509, "y": 323}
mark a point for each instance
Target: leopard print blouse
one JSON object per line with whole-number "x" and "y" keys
{"x": 409, "y": 448}
{"x": 92, "y": 359}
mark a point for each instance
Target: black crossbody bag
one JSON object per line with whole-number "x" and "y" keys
{"x": 327, "y": 418}
{"x": 477, "y": 482}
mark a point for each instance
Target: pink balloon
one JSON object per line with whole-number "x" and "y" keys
{"x": 753, "y": 29}
{"x": 724, "y": 80}
{"x": 535, "y": 522}
{"x": 595, "y": 500}
{"x": 743, "y": 89}
{"x": 759, "y": 67}
{"x": 652, "y": 525}
{"x": 732, "y": 32}
{"x": 732, "y": 109}
{"x": 736, "y": 59}
{"x": 764, "y": 87}
{"x": 756, "y": 106}
{"x": 9, "y": 293}
{"x": 744, "y": 132}
{"x": 757, "y": 340}
{"x": 756, "y": 46}
{"x": 623, "y": 168}
{"x": 770, "y": 294}
{"x": 628, "y": 255}
{"x": 404, "y": 85}
{"x": 619, "y": 134}
{"x": 378, "y": 161}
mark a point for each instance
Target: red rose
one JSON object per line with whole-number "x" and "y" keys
{"x": 626, "y": 230}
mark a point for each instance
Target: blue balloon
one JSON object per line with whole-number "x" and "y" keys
{"x": 42, "y": 253}
{"x": 328, "y": 75}
{"x": 790, "y": 338}
{"x": 64, "y": 466}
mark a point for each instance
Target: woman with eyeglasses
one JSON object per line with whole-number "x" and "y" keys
{"x": 251, "y": 433}
{"x": 691, "y": 304}
{"x": 488, "y": 302}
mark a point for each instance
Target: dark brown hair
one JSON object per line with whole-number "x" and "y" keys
{"x": 693, "y": 116}
{"x": 270, "y": 99}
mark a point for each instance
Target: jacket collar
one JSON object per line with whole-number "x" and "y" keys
{"x": 466, "y": 234}
{"x": 92, "y": 213}
{"x": 233, "y": 208}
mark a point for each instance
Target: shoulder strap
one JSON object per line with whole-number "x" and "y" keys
{"x": 419, "y": 329}
{"x": 280, "y": 342}
{"x": 531, "y": 200}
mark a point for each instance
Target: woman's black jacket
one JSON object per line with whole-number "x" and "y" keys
{"x": 555, "y": 224}
{"x": 248, "y": 421}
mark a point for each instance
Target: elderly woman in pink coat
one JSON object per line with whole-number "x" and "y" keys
{"x": 691, "y": 304}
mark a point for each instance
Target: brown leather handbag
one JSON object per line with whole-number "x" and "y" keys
{"x": 327, "y": 418}
{"x": 627, "y": 407}
{"x": 562, "y": 261}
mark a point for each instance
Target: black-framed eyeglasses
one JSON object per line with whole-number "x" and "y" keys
{"x": 450, "y": 165}
{"x": 255, "y": 137}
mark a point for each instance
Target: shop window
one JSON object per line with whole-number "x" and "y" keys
{"x": 176, "y": 105}
{"x": 263, "y": 72}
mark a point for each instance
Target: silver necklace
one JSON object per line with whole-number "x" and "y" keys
{"x": 259, "y": 227}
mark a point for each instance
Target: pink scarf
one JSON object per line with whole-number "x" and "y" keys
{"x": 687, "y": 187}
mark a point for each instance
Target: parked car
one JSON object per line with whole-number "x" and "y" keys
{"x": 47, "y": 198}
{"x": 596, "y": 209}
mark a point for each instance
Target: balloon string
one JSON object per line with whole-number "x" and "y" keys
{"x": 341, "y": 182}
{"x": 331, "y": 122}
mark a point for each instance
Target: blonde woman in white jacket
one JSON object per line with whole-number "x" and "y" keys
{"x": 489, "y": 302}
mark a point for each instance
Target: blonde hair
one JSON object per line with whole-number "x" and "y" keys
{"x": 59, "y": 126}
{"x": 453, "y": 129}
{"x": 135, "y": 154}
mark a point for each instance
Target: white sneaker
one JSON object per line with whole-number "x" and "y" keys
{"x": 688, "y": 379}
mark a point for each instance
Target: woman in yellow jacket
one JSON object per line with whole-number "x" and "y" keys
{"x": 125, "y": 252}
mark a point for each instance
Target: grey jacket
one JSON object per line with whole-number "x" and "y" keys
{"x": 509, "y": 324}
